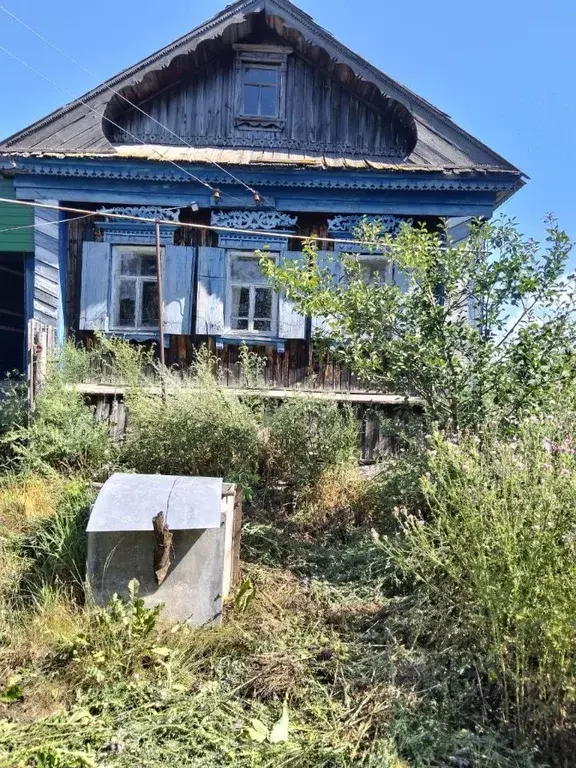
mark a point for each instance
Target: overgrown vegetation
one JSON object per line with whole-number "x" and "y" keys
{"x": 477, "y": 330}
{"x": 491, "y": 561}
{"x": 420, "y": 617}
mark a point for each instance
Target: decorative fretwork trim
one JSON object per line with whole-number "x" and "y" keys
{"x": 254, "y": 220}
{"x": 138, "y": 233}
{"x": 348, "y": 224}
{"x": 144, "y": 211}
{"x": 252, "y": 242}
{"x": 274, "y": 140}
{"x": 324, "y": 180}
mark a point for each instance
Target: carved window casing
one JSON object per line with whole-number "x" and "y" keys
{"x": 260, "y": 87}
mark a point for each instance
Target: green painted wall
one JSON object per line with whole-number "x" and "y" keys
{"x": 15, "y": 216}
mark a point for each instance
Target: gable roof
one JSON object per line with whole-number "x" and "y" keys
{"x": 76, "y": 129}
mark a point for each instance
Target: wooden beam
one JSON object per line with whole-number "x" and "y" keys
{"x": 369, "y": 398}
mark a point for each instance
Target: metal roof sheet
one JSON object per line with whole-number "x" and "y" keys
{"x": 129, "y": 502}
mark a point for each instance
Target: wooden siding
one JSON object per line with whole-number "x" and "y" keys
{"x": 302, "y": 363}
{"x": 12, "y": 216}
{"x": 46, "y": 266}
{"x": 321, "y": 115}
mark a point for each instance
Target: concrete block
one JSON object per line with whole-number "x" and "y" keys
{"x": 121, "y": 543}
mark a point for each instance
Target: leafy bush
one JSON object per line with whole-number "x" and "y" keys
{"x": 13, "y": 413}
{"x": 62, "y": 435}
{"x": 306, "y": 437}
{"x": 493, "y": 567}
{"x": 200, "y": 429}
{"x": 109, "y": 360}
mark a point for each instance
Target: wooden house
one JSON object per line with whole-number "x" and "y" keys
{"x": 258, "y": 121}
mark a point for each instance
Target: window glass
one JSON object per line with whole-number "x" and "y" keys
{"x": 268, "y": 99}
{"x": 148, "y": 264}
{"x": 261, "y": 75}
{"x": 246, "y": 269}
{"x": 129, "y": 263}
{"x": 260, "y": 91}
{"x": 150, "y": 303}
{"x": 127, "y": 303}
{"x": 374, "y": 270}
{"x": 263, "y": 303}
{"x": 251, "y": 99}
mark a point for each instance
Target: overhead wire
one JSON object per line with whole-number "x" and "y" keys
{"x": 193, "y": 225}
{"x": 45, "y": 223}
{"x": 120, "y": 95}
{"x": 62, "y": 88}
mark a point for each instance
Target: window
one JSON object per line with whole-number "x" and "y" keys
{"x": 261, "y": 86}
{"x": 251, "y": 299}
{"x": 260, "y": 90}
{"x": 135, "y": 288}
{"x": 375, "y": 269}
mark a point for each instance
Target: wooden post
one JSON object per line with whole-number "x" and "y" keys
{"x": 31, "y": 364}
{"x": 160, "y": 295}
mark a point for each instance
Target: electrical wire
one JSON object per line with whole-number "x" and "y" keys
{"x": 213, "y": 190}
{"x": 46, "y": 223}
{"x": 45, "y": 40}
{"x": 192, "y": 225}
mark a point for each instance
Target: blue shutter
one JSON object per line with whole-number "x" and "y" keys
{"x": 332, "y": 262}
{"x": 211, "y": 291}
{"x": 95, "y": 291}
{"x": 291, "y": 324}
{"x": 177, "y": 276}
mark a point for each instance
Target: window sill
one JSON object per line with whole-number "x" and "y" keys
{"x": 148, "y": 335}
{"x": 251, "y": 341}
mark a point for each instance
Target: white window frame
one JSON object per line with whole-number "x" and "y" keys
{"x": 117, "y": 252}
{"x": 235, "y": 253}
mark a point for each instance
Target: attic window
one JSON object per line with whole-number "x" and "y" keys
{"x": 261, "y": 86}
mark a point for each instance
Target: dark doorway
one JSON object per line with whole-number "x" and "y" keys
{"x": 12, "y": 313}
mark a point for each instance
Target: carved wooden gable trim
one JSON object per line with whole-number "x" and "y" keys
{"x": 312, "y": 111}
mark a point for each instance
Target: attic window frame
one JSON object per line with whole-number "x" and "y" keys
{"x": 267, "y": 57}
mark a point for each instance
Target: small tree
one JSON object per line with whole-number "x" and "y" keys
{"x": 482, "y": 327}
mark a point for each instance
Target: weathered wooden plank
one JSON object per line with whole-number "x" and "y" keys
{"x": 210, "y": 293}
{"x": 178, "y": 270}
{"x": 46, "y": 265}
{"x": 368, "y": 398}
{"x": 95, "y": 291}
{"x": 291, "y": 324}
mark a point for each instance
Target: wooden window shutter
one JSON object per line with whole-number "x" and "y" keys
{"x": 291, "y": 324}
{"x": 211, "y": 291}
{"x": 177, "y": 278}
{"x": 332, "y": 262}
{"x": 95, "y": 289}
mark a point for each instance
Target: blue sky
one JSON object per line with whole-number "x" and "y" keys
{"x": 505, "y": 70}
